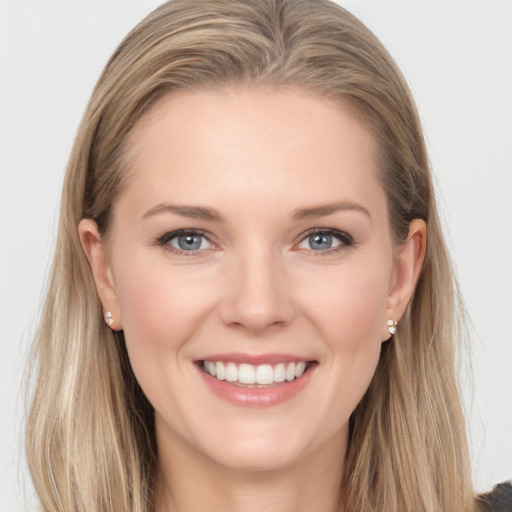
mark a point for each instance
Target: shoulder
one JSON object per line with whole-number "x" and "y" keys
{"x": 497, "y": 500}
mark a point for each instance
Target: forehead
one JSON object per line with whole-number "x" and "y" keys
{"x": 261, "y": 146}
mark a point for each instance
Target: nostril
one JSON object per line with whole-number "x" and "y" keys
{"x": 257, "y": 300}
{"x": 256, "y": 325}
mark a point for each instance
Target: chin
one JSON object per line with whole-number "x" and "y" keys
{"x": 260, "y": 448}
{"x": 257, "y": 458}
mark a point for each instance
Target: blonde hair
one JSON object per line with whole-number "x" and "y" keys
{"x": 90, "y": 437}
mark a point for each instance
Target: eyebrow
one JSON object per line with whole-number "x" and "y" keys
{"x": 194, "y": 212}
{"x": 209, "y": 214}
{"x": 328, "y": 209}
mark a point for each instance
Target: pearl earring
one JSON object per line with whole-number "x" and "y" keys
{"x": 108, "y": 318}
{"x": 391, "y": 326}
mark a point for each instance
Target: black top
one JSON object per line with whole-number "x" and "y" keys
{"x": 498, "y": 500}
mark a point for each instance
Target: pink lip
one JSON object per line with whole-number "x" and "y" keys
{"x": 256, "y": 397}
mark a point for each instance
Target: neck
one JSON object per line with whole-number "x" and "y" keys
{"x": 190, "y": 482}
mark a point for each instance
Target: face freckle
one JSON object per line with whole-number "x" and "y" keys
{"x": 253, "y": 231}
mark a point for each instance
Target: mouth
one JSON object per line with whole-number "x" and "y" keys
{"x": 249, "y": 380}
{"x": 255, "y": 376}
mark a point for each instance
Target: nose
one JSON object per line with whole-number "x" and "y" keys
{"x": 257, "y": 297}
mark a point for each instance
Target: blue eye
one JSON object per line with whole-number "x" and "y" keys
{"x": 326, "y": 241}
{"x": 321, "y": 241}
{"x": 185, "y": 241}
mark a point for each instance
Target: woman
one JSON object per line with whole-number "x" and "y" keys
{"x": 251, "y": 303}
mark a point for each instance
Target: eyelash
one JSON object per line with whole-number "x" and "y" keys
{"x": 164, "y": 240}
{"x": 344, "y": 238}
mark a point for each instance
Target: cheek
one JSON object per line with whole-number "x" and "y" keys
{"x": 349, "y": 306}
{"x": 349, "y": 314}
{"x": 160, "y": 303}
{"x": 161, "y": 308}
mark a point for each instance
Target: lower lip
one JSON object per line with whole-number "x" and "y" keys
{"x": 257, "y": 397}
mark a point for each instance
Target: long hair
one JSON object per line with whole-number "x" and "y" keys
{"x": 90, "y": 437}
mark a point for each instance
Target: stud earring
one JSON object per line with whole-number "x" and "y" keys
{"x": 391, "y": 326}
{"x": 108, "y": 318}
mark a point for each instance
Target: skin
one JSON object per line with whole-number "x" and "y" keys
{"x": 256, "y": 286}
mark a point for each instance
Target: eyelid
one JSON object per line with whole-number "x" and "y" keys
{"x": 164, "y": 240}
{"x": 345, "y": 239}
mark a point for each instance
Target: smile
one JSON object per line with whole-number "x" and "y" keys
{"x": 245, "y": 374}
{"x": 246, "y": 380}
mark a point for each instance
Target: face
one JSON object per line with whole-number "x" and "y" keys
{"x": 251, "y": 268}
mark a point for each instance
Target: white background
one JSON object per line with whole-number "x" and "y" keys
{"x": 457, "y": 57}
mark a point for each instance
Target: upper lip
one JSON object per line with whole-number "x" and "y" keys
{"x": 254, "y": 359}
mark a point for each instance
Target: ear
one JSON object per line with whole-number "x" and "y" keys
{"x": 98, "y": 260}
{"x": 408, "y": 265}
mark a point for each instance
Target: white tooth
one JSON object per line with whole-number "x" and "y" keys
{"x": 231, "y": 372}
{"x": 212, "y": 369}
{"x": 264, "y": 374}
{"x": 279, "y": 373}
{"x": 299, "y": 370}
{"x": 206, "y": 368}
{"x": 290, "y": 371}
{"x": 220, "y": 370}
{"x": 246, "y": 374}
